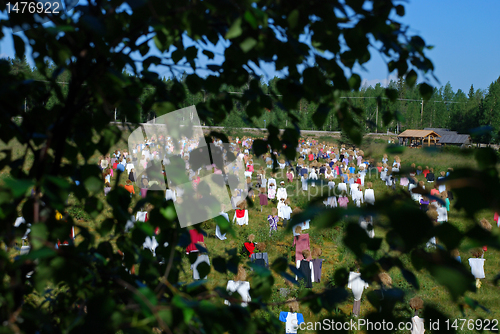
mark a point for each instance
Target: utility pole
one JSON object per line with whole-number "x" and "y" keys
{"x": 422, "y": 114}
{"x": 376, "y": 120}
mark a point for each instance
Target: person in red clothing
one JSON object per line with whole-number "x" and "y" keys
{"x": 249, "y": 247}
{"x": 196, "y": 180}
{"x": 250, "y": 166}
{"x": 434, "y": 192}
{"x": 358, "y": 180}
{"x": 426, "y": 171}
{"x": 129, "y": 187}
{"x": 310, "y": 156}
{"x": 196, "y": 238}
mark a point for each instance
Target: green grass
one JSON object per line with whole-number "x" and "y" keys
{"x": 336, "y": 255}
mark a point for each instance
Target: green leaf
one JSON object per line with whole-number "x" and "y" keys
{"x": 209, "y": 54}
{"x": 410, "y": 278}
{"x": 146, "y": 228}
{"x": 259, "y": 270}
{"x": 411, "y": 78}
{"x": 59, "y": 29}
{"x": 425, "y": 90}
{"x": 235, "y": 29}
{"x": 449, "y": 235}
{"x": 224, "y": 225}
{"x": 109, "y": 137}
{"x": 18, "y": 46}
{"x": 259, "y": 147}
{"x": 93, "y": 184}
{"x": 248, "y": 44}
{"x": 166, "y": 315}
{"x": 400, "y": 10}
{"x": 391, "y": 93}
{"x": 293, "y": 18}
{"x": 19, "y": 187}
{"x": 280, "y": 265}
{"x": 191, "y": 53}
{"x": 185, "y": 306}
{"x": 38, "y": 235}
{"x": 106, "y": 226}
{"x": 456, "y": 282}
{"x": 143, "y": 294}
{"x": 177, "y": 55}
{"x": 219, "y": 264}
{"x": 168, "y": 212}
{"x": 486, "y": 157}
{"x": 250, "y": 18}
{"x": 42, "y": 253}
{"x": 101, "y": 258}
{"x": 162, "y": 108}
{"x": 203, "y": 269}
{"x": 355, "y": 81}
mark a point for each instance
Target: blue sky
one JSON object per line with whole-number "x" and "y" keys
{"x": 462, "y": 32}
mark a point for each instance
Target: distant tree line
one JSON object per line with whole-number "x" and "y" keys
{"x": 458, "y": 111}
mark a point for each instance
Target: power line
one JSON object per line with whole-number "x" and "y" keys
{"x": 342, "y": 97}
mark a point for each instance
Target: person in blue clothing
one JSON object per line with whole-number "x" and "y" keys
{"x": 292, "y": 319}
{"x": 120, "y": 168}
{"x": 352, "y": 169}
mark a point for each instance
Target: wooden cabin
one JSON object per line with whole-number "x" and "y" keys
{"x": 418, "y": 138}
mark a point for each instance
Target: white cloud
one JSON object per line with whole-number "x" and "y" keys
{"x": 383, "y": 82}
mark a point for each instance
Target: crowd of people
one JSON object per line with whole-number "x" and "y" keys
{"x": 347, "y": 173}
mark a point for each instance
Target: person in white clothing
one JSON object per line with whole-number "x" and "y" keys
{"x": 328, "y": 173}
{"x": 129, "y": 166}
{"x": 331, "y": 202}
{"x": 477, "y": 266}
{"x": 292, "y": 319}
{"x": 442, "y": 213}
{"x": 240, "y": 285}
{"x": 357, "y": 285}
{"x": 271, "y": 182}
{"x": 313, "y": 176}
{"x": 369, "y": 194}
{"x": 282, "y": 164}
{"x": 284, "y": 212}
{"x": 194, "y": 267}
{"x": 366, "y": 224}
{"x": 281, "y": 204}
{"x": 362, "y": 174}
{"x": 170, "y": 195}
{"x": 303, "y": 179}
{"x": 281, "y": 193}
{"x": 417, "y": 323}
{"x": 331, "y": 183}
{"x": 218, "y": 234}
{"x": 442, "y": 187}
{"x": 342, "y": 188}
{"x": 241, "y": 216}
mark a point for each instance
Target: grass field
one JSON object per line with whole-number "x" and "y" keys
{"x": 336, "y": 255}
